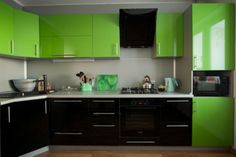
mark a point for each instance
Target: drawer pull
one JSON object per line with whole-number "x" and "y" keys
{"x": 67, "y": 101}
{"x": 101, "y": 113}
{"x": 68, "y": 133}
{"x": 140, "y": 142}
{"x": 105, "y": 101}
{"x": 45, "y": 107}
{"x": 104, "y": 126}
{"x": 177, "y": 126}
{"x": 9, "y": 114}
{"x": 177, "y": 101}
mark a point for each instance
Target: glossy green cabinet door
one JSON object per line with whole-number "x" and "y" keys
{"x": 66, "y": 25}
{"x": 106, "y": 38}
{"x": 213, "y": 36}
{"x": 169, "y": 35}
{"x": 51, "y": 47}
{"x": 6, "y": 28}
{"x": 26, "y": 34}
{"x": 212, "y": 124}
{"x": 64, "y": 36}
{"x": 64, "y": 47}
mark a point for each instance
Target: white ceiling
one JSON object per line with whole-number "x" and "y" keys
{"x": 99, "y": 6}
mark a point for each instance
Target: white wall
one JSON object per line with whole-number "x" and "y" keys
{"x": 10, "y": 69}
{"x": 132, "y": 66}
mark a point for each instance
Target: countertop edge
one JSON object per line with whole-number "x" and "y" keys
{"x": 13, "y": 100}
{"x": 4, "y": 101}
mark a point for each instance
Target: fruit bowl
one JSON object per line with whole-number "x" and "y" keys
{"x": 24, "y": 85}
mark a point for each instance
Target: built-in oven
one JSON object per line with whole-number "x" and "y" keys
{"x": 139, "y": 121}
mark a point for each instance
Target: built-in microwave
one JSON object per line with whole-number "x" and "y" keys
{"x": 217, "y": 85}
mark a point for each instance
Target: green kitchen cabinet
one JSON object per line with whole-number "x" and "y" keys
{"x": 212, "y": 121}
{"x": 26, "y": 34}
{"x": 106, "y": 37}
{"x": 169, "y": 35}
{"x": 64, "y": 47}
{"x": 66, "y": 25}
{"x": 64, "y": 36}
{"x": 213, "y": 40}
{"x": 6, "y": 28}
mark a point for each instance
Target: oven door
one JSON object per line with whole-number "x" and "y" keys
{"x": 139, "y": 120}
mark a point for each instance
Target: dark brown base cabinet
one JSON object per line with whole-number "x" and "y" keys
{"x": 84, "y": 121}
{"x": 24, "y": 127}
{"x": 176, "y": 122}
{"x": 68, "y": 121}
{"x": 30, "y": 125}
{"x": 103, "y": 121}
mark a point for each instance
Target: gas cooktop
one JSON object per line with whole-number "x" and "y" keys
{"x": 18, "y": 94}
{"x": 138, "y": 90}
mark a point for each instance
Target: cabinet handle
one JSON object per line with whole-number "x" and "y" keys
{"x": 12, "y": 46}
{"x": 177, "y": 100}
{"x": 177, "y": 126}
{"x": 103, "y": 113}
{"x": 45, "y": 107}
{"x": 67, "y": 101}
{"x": 116, "y": 49}
{"x": 105, "y": 101}
{"x": 195, "y": 62}
{"x": 159, "y": 48}
{"x": 104, "y": 126}
{"x": 9, "y": 114}
{"x": 36, "y": 50}
{"x": 68, "y": 133}
{"x": 141, "y": 142}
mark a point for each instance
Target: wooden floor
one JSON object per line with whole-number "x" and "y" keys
{"x": 112, "y": 153}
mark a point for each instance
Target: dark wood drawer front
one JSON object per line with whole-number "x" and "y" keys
{"x": 139, "y": 141}
{"x": 104, "y": 119}
{"x": 104, "y": 130}
{"x": 176, "y": 135}
{"x": 108, "y": 106}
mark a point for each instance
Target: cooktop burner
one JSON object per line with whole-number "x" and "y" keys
{"x": 18, "y": 94}
{"x": 138, "y": 90}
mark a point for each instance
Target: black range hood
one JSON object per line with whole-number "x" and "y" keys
{"x": 137, "y": 27}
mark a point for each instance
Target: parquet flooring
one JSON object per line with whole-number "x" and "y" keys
{"x": 119, "y": 153}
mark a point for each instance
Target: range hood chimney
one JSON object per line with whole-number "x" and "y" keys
{"x": 137, "y": 27}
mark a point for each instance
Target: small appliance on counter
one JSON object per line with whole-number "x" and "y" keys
{"x": 170, "y": 84}
{"x": 210, "y": 84}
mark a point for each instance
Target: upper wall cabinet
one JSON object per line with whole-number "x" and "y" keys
{"x": 213, "y": 36}
{"x": 169, "y": 35}
{"x": 26, "y": 34}
{"x": 66, "y": 36}
{"x": 66, "y": 25}
{"x": 106, "y": 37}
{"x": 6, "y": 28}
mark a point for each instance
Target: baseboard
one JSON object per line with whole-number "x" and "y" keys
{"x": 135, "y": 148}
{"x": 36, "y": 152}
